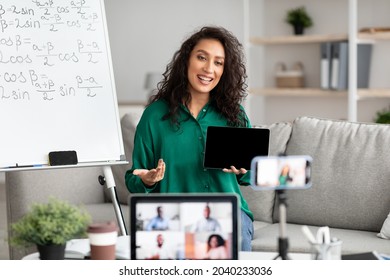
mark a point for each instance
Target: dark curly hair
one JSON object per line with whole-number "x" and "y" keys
{"x": 229, "y": 92}
{"x": 220, "y": 241}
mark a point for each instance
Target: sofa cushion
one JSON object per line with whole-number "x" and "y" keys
{"x": 77, "y": 185}
{"x": 261, "y": 202}
{"x": 353, "y": 241}
{"x": 385, "y": 231}
{"x": 350, "y": 174}
{"x": 128, "y": 124}
{"x": 279, "y": 135}
{"x": 103, "y": 212}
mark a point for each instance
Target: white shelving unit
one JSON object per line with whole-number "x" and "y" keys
{"x": 291, "y": 43}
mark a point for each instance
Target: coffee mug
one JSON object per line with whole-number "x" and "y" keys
{"x": 102, "y": 239}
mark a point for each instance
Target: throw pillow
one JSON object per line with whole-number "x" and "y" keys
{"x": 385, "y": 231}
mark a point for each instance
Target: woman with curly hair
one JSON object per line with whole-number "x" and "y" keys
{"x": 216, "y": 249}
{"x": 203, "y": 85}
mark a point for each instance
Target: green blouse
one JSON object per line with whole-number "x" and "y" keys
{"x": 182, "y": 150}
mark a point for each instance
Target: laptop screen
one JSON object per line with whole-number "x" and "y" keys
{"x": 237, "y": 146}
{"x": 184, "y": 226}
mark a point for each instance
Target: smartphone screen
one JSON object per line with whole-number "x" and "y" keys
{"x": 283, "y": 172}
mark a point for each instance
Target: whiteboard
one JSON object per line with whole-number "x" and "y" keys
{"x": 57, "y": 88}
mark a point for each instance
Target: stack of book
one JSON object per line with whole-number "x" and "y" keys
{"x": 334, "y": 65}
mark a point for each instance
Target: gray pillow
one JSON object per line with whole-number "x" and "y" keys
{"x": 350, "y": 174}
{"x": 261, "y": 203}
{"x": 279, "y": 136}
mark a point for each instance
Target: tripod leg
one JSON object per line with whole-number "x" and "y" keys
{"x": 110, "y": 183}
{"x": 283, "y": 248}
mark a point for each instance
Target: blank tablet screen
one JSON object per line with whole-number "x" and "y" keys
{"x": 234, "y": 146}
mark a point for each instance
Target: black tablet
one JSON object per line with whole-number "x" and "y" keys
{"x": 234, "y": 146}
{"x": 184, "y": 226}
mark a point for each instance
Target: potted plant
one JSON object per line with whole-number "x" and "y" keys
{"x": 383, "y": 116}
{"x": 49, "y": 226}
{"x": 299, "y": 19}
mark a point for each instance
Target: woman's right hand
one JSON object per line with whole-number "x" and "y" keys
{"x": 152, "y": 176}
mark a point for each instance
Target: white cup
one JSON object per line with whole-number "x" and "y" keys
{"x": 326, "y": 251}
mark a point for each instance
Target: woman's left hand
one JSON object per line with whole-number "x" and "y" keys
{"x": 235, "y": 170}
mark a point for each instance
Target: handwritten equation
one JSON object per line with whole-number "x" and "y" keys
{"x": 51, "y": 50}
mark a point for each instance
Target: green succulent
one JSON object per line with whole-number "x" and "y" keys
{"x": 299, "y": 16}
{"x": 53, "y": 223}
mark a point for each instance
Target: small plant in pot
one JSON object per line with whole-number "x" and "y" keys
{"x": 299, "y": 19}
{"x": 49, "y": 226}
{"x": 383, "y": 116}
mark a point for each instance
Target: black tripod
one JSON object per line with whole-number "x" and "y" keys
{"x": 282, "y": 241}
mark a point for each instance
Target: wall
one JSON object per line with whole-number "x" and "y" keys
{"x": 145, "y": 34}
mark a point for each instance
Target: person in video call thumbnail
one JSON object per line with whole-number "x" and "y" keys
{"x": 216, "y": 249}
{"x": 207, "y": 223}
{"x": 160, "y": 252}
{"x": 158, "y": 222}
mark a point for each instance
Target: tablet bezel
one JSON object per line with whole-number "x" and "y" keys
{"x": 135, "y": 199}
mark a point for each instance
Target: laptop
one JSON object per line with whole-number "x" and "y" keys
{"x": 234, "y": 146}
{"x": 190, "y": 226}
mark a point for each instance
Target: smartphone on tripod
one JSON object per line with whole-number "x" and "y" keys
{"x": 281, "y": 172}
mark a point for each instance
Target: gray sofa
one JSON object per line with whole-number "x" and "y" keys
{"x": 350, "y": 192}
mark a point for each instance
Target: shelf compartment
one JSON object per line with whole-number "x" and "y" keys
{"x": 373, "y": 93}
{"x": 374, "y": 36}
{"x": 306, "y": 39}
{"x": 298, "y": 39}
{"x": 317, "y": 92}
{"x": 297, "y": 92}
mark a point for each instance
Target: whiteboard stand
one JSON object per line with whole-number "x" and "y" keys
{"x": 110, "y": 183}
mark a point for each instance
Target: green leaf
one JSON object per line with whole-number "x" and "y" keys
{"x": 299, "y": 16}
{"x": 54, "y": 222}
{"x": 383, "y": 116}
